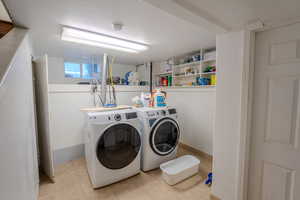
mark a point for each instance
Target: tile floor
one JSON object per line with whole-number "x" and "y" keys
{"x": 72, "y": 183}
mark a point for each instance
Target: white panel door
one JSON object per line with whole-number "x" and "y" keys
{"x": 275, "y": 155}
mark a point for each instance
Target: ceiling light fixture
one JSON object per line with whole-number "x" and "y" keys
{"x": 101, "y": 40}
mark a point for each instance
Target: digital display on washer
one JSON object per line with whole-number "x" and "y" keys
{"x": 172, "y": 111}
{"x": 132, "y": 115}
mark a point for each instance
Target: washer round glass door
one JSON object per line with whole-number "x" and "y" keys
{"x": 164, "y": 136}
{"x": 118, "y": 146}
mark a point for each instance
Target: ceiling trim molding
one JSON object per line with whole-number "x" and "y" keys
{"x": 279, "y": 23}
{"x": 189, "y": 13}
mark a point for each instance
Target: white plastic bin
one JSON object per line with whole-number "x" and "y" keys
{"x": 210, "y": 55}
{"x": 179, "y": 169}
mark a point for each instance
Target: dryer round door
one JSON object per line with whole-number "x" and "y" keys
{"x": 164, "y": 136}
{"x": 118, "y": 146}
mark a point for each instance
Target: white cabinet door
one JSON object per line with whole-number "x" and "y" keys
{"x": 275, "y": 164}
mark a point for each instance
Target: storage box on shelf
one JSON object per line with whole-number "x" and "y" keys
{"x": 163, "y": 77}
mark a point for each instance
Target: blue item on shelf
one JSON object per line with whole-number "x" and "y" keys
{"x": 110, "y": 105}
{"x": 126, "y": 78}
{"x": 203, "y": 81}
{"x": 196, "y": 58}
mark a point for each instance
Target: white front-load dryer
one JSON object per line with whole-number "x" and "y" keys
{"x": 160, "y": 136}
{"x": 112, "y": 146}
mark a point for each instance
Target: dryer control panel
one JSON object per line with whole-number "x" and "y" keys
{"x": 158, "y": 113}
{"x": 172, "y": 111}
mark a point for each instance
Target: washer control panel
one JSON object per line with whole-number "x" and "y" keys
{"x": 106, "y": 117}
{"x": 117, "y": 117}
{"x": 132, "y": 115}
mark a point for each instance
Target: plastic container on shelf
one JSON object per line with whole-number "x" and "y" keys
{"x": 164, "y": 81}
{"x": 210, "y": 55}
{"x": 213, "y": 79}
{"x": 169, "y": 80}
{"x": 203, "y": 81}
{"x": 180, "y": 169}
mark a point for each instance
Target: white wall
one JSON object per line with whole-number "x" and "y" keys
{"x": 196, "y": 110}
{"x": 57, "y": 74}
{"x": 226, "y": 140}
{"x": 18, "y": 168}
{"x": 67, "y": 122}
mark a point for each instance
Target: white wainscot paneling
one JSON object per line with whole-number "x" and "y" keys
{"x": 67, "y": 122}
{"x": 196, "y": 110}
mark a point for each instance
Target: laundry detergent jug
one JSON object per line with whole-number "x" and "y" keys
{"x": 159, "y": 99}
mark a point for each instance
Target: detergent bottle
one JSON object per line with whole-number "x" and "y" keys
{"x": 159, "y": 99}
{"x": 146, "y": 99}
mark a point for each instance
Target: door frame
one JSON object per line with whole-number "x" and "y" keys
{"x": 246, "y": 114}
{"x": 247, "y": 91}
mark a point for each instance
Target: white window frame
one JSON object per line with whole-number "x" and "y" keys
{"x": 81, "y": 70}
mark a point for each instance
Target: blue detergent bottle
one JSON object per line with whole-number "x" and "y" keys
{"x": 159, "y": 99}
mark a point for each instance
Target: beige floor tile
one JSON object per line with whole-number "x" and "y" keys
{"x": 62, "y": 168}
{"x": 47, "y": 197}
{"x": 102, "y": 193}
{"x": 46, "y": 186}
{"x": 72, "y": 183}
{"x": 70, "y": 193}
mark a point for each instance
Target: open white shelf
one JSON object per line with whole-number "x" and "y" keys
{"x": 164, "y": 73}
{"x": 188, "y": 64}
{"x": 197, "y": 74}
{"x": 208, "y": 60}
{"x": 185, "y": 75}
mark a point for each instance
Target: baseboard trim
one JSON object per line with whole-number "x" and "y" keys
{"x": 61, "y": 156}
{"x": 194, "y": 150}
{"x": 213, "y": 197}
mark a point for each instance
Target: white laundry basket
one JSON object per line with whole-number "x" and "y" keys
{"x": 179, "y": 169}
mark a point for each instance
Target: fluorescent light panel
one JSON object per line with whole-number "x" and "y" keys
{"x": 100, "y": 40}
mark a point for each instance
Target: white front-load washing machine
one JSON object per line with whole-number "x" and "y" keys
{"x": 160, "y": 136}
{"x": 112, "y": 146}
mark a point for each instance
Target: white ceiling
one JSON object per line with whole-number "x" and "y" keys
{"x": 3, "y": 13}
{"x": 237, "y": 13}
{"x": 166, "y": 34}
{"x": 170, "y": 27}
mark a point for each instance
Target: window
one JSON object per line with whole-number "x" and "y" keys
{"x": 72, "y": 70}
{"x": 90, "y": 71}
{"x": 81, "y": 70}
